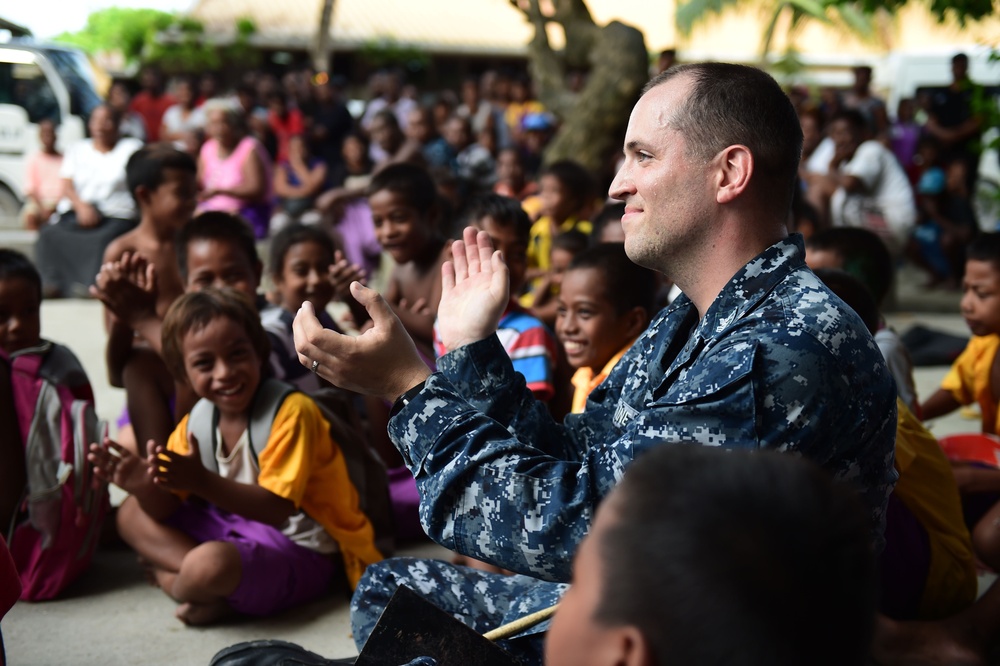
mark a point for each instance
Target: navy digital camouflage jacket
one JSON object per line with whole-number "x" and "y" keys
{"x": 777, "y": 362}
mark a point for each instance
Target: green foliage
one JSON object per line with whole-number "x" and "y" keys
{"x": 119, "y": 29}
{"x": 960, "y": 10}
{"x": 849, "y": 16}
{"x": 174, "y": 42}
{"x": 387, "y": 52}
{"x": 855, "y": 17}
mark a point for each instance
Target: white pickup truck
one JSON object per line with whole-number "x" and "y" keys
{"x": 37, "y": 82}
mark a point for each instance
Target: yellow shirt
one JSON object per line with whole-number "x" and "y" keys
{"x": 968, "y": 380}
{"x": 301, "y": 463}
{"x": 927, "y": 487}
{"x": 584, "y": 380}
{"x": 540, "y": 241}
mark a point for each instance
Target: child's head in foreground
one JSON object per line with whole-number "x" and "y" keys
{"x": 163, "y": 181}
{"x": 301, "y": 257}
{"x": 404, "y": 205}
{"x": 981, "y": 285}
{"x": 702, "y": 556}
{"x": 214, "y": 341}
{"x": 856, "y": 251}
{"x": 604, "y": 304}
{"x": 509, "y": 228}
{"x": 218, "y": 249}
{"x": 20, "y": 302}
{"x": 564, "y": 188}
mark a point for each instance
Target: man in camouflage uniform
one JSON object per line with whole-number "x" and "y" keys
{"x": 757, "y": 353}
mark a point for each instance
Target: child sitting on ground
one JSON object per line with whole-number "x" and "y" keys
{"x": 50, "y": 508}
{"x": 527, "y": 341}
{"x": 222, "y": 528}
{"x": 298, "y": 181}
{"x": 215, "y": 249}
{"x": 404, "y": 209}
{"x": 604, "y": 304}
{"x": 565, "y": 189}
{"x": 927, "y": 566}
{"x": 863, "y": 255}
{"x": 163, "y": 182}
{"x": 972, "y": 379}
{"x": 301, "y": 261}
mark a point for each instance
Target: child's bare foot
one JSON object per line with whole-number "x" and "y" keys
{"x": 942, "y": 643}
{"x": 198, "y": 615}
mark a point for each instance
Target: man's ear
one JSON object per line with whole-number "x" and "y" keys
{"x": 735, "y": 168}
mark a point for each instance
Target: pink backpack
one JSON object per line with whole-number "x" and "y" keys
{"x": 56, "y": 530}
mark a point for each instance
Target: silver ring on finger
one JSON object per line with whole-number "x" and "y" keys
{"x": 315, "y": 366}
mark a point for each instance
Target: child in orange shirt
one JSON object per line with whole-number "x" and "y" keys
{"x": 605, "y": 303}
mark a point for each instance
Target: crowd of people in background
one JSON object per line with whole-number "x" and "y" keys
{"x": 159, "y": 214}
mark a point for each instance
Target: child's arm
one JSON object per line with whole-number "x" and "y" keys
{"x": 116, "y": 464}
{"x": 975, "y": 479}
{"x": 184, "y": 472}
{"x": 940, "y": 403}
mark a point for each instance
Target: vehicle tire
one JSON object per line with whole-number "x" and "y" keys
{"x": 10, "y": 208}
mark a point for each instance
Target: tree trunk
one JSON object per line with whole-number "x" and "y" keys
{"x": 322, "y": 60}
{"x": 592, "y": 121}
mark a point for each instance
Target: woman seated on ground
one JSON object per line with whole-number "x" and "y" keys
{"x": 297, "y": 182}
{"x": 234, "y": 170}
{"x": 96, "y": 207}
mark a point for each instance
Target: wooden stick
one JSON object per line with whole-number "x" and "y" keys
{"x": 517, "y": 626}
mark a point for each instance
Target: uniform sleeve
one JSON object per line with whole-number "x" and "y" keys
{"x": 297, "y": 435}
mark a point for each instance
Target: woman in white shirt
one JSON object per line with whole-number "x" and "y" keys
{"x": 96, "y": 208}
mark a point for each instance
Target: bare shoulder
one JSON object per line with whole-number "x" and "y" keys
{"x": 127, "y": 242}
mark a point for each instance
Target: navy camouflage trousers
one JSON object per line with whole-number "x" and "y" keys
{"x": 481, "y": 600}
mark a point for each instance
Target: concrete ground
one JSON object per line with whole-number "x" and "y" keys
{"x": 112, "y": 616}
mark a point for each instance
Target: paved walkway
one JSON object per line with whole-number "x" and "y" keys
{"x": 112, "y": 616}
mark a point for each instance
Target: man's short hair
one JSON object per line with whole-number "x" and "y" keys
{"x": 864, "y": 255}
{"x": 627, "y": 285}
{"x": 739, "y": 558}
{"x": 146, "y": 166}
{"x": 216, "y": 226}
{"x": 740, "y": 105}
{"x": 504, "y": 211}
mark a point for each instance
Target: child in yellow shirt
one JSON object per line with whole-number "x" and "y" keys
{"x": 223, "y": 527}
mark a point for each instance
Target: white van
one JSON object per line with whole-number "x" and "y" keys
{"x": 38, "y": 82}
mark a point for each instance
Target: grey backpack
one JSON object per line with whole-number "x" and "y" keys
{"x": 365, "y": 468}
